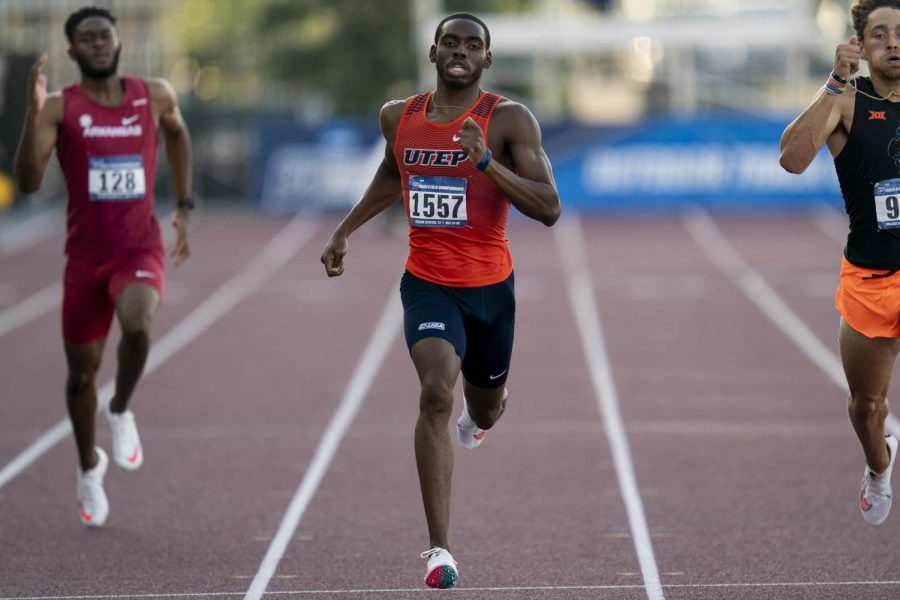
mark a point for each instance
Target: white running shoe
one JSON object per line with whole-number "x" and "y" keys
{"x": 469, "y": 434}
{"x": 441, "y": 571}
{"x": 93, "y": 507}
{"x": 875, "y": 495}
{"x": 126, "y": 442}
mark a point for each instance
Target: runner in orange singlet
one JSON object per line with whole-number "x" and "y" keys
{"x": 459, "y": 156}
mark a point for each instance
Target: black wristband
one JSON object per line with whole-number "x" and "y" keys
{"x": 839, "y": 78}
{"x": 187, "y": 203}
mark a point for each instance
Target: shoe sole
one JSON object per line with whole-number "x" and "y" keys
{"x": 441, "y": 578}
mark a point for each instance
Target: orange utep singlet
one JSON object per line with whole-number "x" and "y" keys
{"x": 457, "y": 215}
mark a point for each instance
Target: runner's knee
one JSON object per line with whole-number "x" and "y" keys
{"x": 79, "y": 380}
{"x": 864, "y": 400}
{"x": 436, "y": 398}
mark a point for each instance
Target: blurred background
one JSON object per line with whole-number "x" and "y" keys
{"x": 645, "y": 105}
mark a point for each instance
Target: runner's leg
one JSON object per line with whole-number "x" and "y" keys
{"x": 868, "y": 364}
{"x": 135, "y": 308}
{"x": 438, "y": 366}
{"x": 81, "y": 396}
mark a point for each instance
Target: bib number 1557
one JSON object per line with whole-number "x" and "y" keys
{"x": 437, "y": 201}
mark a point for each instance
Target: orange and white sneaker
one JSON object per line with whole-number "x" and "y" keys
{"x": 126, "y": 442}
{"x": 93, "y": 507}
{"x": 441, "y": 571}
{"x": 469, "y": 434}
{"x": 875, "y": 495}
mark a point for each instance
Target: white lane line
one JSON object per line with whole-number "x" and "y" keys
{"x": 29, "y": 232}
{"x": 274, "y": 255}
{"x": 383, "y": 336}
{"x": 573, "y": 258}
{"x": 709, "y": 237}
{"x": 419, "y": 591}
{"x": 31, "y": 308}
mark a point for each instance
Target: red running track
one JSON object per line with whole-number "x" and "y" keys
{"x": 745, "y": 464}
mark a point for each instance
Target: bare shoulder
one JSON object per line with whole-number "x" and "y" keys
{"x": 162, "y": 93}
{"x": 513, "y": 118}
{"x": 390, "y": 116}
{"x": 392, "y": 111}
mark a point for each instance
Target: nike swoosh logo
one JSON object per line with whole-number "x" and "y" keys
{"x": 129, "y": 120}
{"x": 144, "y": 274}
{"x": 456, "y": 138}
{"x": 493, "y": 377}
{"x": 134, "y": 457}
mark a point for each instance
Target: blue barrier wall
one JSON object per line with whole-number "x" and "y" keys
{"x": 724, "y": 163}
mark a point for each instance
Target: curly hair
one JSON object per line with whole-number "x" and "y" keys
{"x": 83, "y": 13}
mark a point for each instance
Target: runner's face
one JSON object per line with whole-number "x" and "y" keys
{"x": 95, "y": 47}
{"x": 881, "y": 43}
{"x": 460, "y": 55}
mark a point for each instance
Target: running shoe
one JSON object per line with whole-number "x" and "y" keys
{"x": 875, "y": 495}
{"x": 441, "y": 570}
{"x": 470, "y": 435}
{"x": 93, "y": 507}
{"x": 126, "y": 443}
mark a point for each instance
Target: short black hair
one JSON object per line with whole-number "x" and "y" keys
{"x": 83, "y": 13}
{"x": 861, "y": 9}
{"x": 470, "y": 17}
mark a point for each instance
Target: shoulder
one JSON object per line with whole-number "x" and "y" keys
{"x": 390, "y": 116}
{"x": 162, "y": 93}
{"x": 512, "y": 117}
{"x": 393, "y": 110}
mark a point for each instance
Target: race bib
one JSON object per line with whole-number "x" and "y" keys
{"x": 887, "y": 203}
{"x": 437, "y": 201}
{"x": 116, "y": 178}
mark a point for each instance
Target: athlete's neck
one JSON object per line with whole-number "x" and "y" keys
{"x": 888, "y": 89}
{"x": 452, "y": 103}
{"x": 109, "y": 91}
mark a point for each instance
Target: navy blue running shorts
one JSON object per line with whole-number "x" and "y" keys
{"x": 478, "y": 321}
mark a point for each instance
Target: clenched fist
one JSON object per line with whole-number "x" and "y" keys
{"x": 846, "y": 59}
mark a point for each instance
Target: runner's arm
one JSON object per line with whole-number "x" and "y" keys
{"x": 530, "y": 188}
{"x": 43, "y": 116}
{"x": 383, "y": 191}
{"x": 827, "y": 119}
{"x": 178, "y": 155}
{"x": 803, "y": 138}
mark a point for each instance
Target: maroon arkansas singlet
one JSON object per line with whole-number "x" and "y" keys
{"x": 108, "y": 157}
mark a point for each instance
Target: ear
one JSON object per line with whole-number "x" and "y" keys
{"x": 71, "y": 53}
{"x": 488, "y": 59}
{"x": 432, "y": 54}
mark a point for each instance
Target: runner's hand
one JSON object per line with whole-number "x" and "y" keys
{"x": 182, "y": 250}
{"x": 846, "y": 58}
{"x": 333, "y": 256}
{"x": 471, "y": 139}
{"x": 37, "y": 85}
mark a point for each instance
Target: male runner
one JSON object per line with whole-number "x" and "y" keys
{"x": 459, "y": 156}
{"x": 859, "y": 122}
{"x": 104, "y": 132}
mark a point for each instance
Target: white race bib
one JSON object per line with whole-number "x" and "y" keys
{"x": 116, "y": 178}
{"x": 887, "y": 203}
{"x": 437, "y": 201}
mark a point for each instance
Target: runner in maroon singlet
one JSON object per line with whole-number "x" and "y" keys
{"x": 104, "y": 133}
